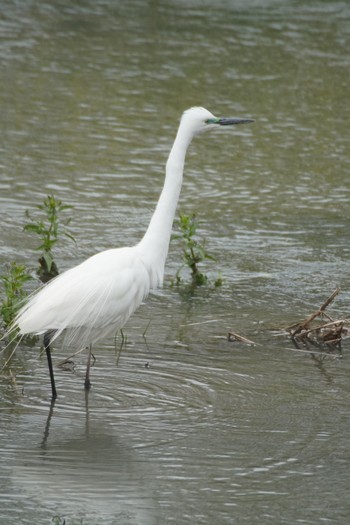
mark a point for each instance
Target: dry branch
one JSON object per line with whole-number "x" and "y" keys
{"x": 233, "y": 336}
{"x": 303, "y": 325}
{"x": 315, "y": 331}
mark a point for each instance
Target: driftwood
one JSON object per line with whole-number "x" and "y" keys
{"x": 320, "y": 329}
{"x": 233, "y": 336}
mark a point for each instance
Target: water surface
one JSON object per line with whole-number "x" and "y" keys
{"x": 183, "y": 426}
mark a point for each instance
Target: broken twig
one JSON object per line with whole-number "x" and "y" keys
{"x": 232, "y": 336}
{"x": 315, "y": 331}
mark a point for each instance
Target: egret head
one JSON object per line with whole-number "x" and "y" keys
{"x": 199, "y": 119}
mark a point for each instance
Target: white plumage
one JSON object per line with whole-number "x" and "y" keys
{"x": 96, "y": 298}
{"x": 87, "y": 304}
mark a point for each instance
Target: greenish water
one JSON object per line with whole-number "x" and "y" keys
{"x": 183, "y": 426}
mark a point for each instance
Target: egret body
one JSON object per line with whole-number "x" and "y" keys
{"x": 95, "y": 299}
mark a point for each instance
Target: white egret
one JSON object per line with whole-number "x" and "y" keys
{"x": 96, "y": 298}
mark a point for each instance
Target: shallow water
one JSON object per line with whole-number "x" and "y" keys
{"x": 182, "y": 426}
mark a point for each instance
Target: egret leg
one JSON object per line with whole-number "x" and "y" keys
{"x": 47, "y": 340}
{"x": 87, "y": 383}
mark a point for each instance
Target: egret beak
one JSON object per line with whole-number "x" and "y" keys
{"x": 230, "y": 121}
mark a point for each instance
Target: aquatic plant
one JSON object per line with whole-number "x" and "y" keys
{"x": 193, "y": 251}
{"x": 14, "y": 276}
{"x": 49, "y": 230}
{"x": 12, "y": 292}
{"x": 58, "y": 520}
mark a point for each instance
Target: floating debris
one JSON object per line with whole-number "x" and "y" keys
{"x": 232, "y": 336}
{"x": 320, "y": 330}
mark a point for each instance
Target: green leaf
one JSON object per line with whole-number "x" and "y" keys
{"x": 48, "y": 229}
{"x": 194, "y": 250}
{"x": 48, "y": 260}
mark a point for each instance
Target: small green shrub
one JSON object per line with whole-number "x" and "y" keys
{"x": 193, "y": 251}
{"x": 49, "y": 230}
{"x": 58, "y": 520}
{"x": 12, "y": 293}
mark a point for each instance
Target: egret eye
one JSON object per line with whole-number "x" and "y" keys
{"x": 212, "y": 121}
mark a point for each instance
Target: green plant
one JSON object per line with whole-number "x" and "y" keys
{"x": 13, "y": 293}
{"x": 194, "y": 251}
{"x": 49, "y": 230}
{"x": 57, "y": 520}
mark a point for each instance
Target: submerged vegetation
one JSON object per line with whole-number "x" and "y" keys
{"x": 194, "y": 251}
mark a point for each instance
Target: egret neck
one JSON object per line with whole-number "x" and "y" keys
{"x": 155, "y": 243}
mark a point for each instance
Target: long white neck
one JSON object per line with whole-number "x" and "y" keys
{"x": 155, "y": 243}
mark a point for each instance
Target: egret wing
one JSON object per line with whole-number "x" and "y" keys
{"x": 89, "y": 301}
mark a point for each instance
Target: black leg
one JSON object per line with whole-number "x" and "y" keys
{"x": 47, "y": 340}
{"x": 48, "y": 422}
{"x": 87, "y": 383}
